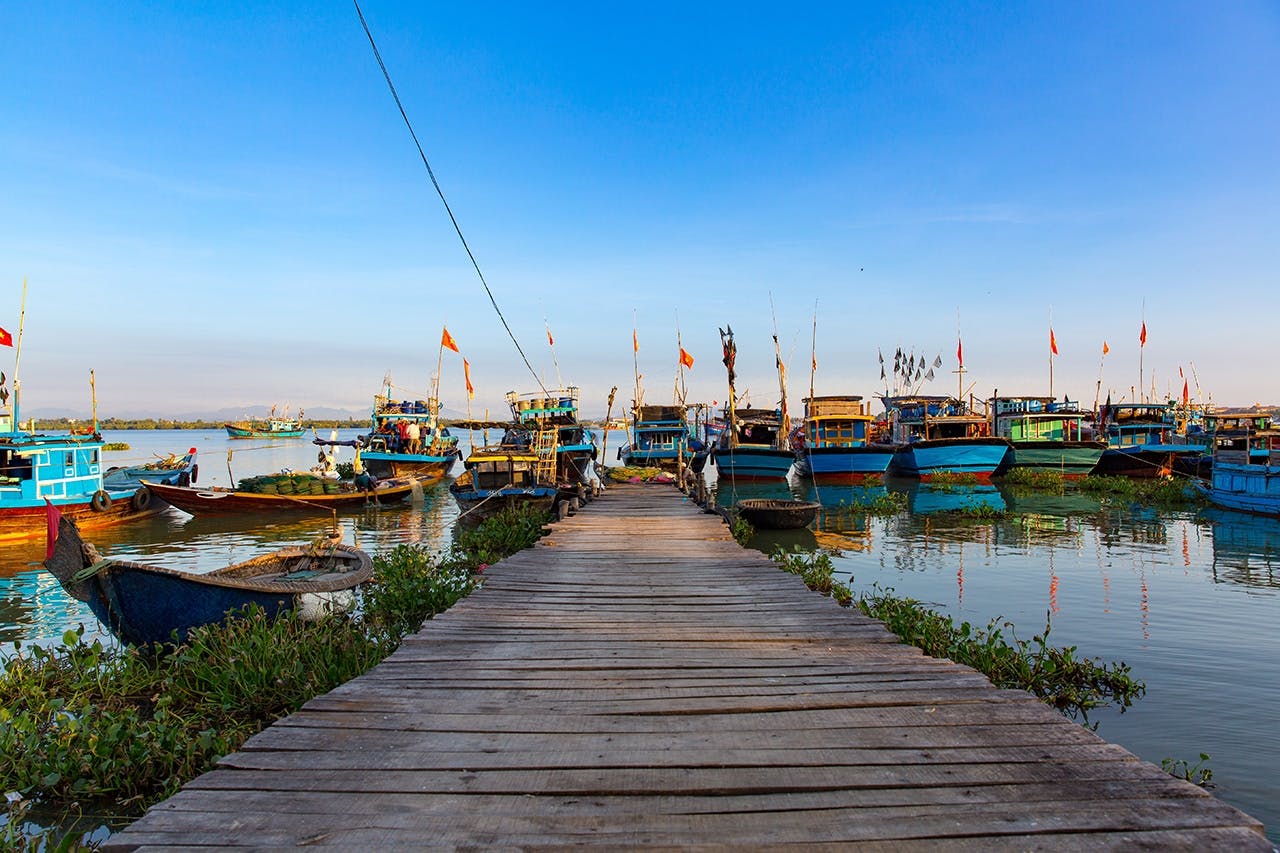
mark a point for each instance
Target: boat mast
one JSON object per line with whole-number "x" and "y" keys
{"x": 17, "y": 385}
{"x": 635, "y": 364}
{"x": 730, "y": 355}
{"x": 784, "y": 431}
{"x": 93, "y": 399}
{"x": 813, "y": 349}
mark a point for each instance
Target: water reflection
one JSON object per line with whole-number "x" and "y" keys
{"x": 1246, "y": 548}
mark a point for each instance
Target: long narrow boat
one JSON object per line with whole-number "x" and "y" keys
{"x": 1143, "y": 442}
{"x": 835, "y": 443}
{"x": 389, "y": 449}
{"x": 1239, "y": 483}
{"x": 268, "y": 427}
{"x": 144, "y": 604}
{"x": 223, "y": 501}
{"x": 940, "y": 436}
{"x": 1045, "y": 435}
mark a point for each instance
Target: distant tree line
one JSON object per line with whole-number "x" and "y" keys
{"x": 169, "y": 423}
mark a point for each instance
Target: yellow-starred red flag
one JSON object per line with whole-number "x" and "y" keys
{"x": 447, "y": 341}
{"x": 6, "y": 339}
{"x": 685, "y": 358}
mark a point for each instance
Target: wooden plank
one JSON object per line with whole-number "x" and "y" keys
{"x": 638, "y": 679}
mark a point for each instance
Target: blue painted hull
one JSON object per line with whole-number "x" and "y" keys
{"x": 424, "y": 467}
{"x": 844, "y": 464}
{"x": 1249, "y": 488}
{"x": 927, "y": 459}
{"x": 748, "y": 463}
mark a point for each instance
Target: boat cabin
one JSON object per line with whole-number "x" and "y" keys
{"x": 1128, "y": 424}
{"x": 837, "y": 422}
{"x": 915, "y": 419}
{"x": 34, "y": 467}
{"x": 497, "y": 468}
{"x": 1037, "y": 419}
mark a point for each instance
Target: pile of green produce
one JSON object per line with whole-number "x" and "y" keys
{"x": 289, "y": 484}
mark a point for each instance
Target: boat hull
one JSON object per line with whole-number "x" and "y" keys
{"x": 30, "y": 520}
{"x": 749, "y": 464}
{"x": 837, "y": 465}
{"x": 218, "y": 502}
{"x": 241, "y": 432}
{"x": 479, "y": 504}
{"x": 1072, "y": 459}
{"x": 1147, "y": 461}
{"x": 1246, "y": 487}
{"x": 976, "y": 457}
{"x": 425, "y": 468}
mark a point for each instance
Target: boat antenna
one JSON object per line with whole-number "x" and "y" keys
{"x": 431, "y": 173}
{"x": 813, "y": 349}
{"x": 17, "y": 356}
{"x": 635, "y": 362}
{"x": 784, "y": 431}
{"x": 93, "y": 400}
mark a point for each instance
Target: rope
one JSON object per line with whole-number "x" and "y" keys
{"x": 431, "y": 173}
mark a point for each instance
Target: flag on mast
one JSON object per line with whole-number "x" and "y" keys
{"x": 447, "y": 341}
{"x": 466, "y": 374}
{"x": 1105, "y": 349}
{"x": 685, "y": 358}
{"x": 6, "y": 339}
{"x": 960, "y": 351}
{"x": 1142, "y": 337}
{"x": 635, "y": 342}
{"x": 550, "y": 340}
{"x": 1053, "y": 342}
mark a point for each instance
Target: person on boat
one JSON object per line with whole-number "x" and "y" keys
{"x": 402, "y": 433}
{"x": 414, "y": 435}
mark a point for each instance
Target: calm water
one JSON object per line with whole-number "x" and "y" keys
{"x": 1190, "y": 600}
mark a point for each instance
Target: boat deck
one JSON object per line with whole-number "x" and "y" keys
{"x": 637, "y": 679}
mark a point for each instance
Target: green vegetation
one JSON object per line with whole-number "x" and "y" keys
{"x": 889, "y": 503}
{"x": 1197, "y": 774}
{"x": 1036, "y": 478}
{"x": 87, "y": 724}
{"x": 1055, "y": 674}
{"x": 116, "y": 445}
{"x": 1167, "y": 492}
{"x": 977, "y": 509}
{"x": 107, "y": 424}
{"x": 630, "y": 473}
{"x": 953, "y": 478}
{"x": 741, "y": 529}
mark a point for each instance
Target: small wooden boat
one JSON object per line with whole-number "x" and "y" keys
{"x": 773, "y": 514}
{"x": 223, "y": 501}
{"x": 169, "y": 469}
{"x": 145, "y": 605}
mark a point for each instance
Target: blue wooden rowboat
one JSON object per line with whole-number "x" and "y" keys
{"x": 147, "y": 605}
{"x": 169, "y": 470}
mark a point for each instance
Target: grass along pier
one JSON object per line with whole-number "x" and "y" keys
{"x": 639, "y": 679}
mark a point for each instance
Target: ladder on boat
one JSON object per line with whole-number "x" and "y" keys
{"x": 545, "y": 443}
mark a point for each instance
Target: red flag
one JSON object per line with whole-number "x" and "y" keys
{"x": 52, "y": 517}
{"x": 1105, "y": 349}
{"x": 1053, "y": 342}
{"x": 1142, "y": 338}
{"x": 550, "y": 340}
{"x": 1186, "y": 397}
{"x": 6, "y": 339}
{"x": 466, "y": 374}
{"x": 685, "y": 358}
{"x": 635, "y": 342}
{"x": 960, "y": 351}
{"x": 447, "y": 341}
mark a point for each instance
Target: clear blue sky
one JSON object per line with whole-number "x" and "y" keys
{"x": 216, "y": 204}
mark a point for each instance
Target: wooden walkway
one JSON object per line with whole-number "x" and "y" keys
{"x": 639, "y": 680}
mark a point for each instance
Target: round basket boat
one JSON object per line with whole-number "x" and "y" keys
{"x": 777, "y": 514}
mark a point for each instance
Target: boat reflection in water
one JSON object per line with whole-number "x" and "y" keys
{"x": 1246, "y": 548}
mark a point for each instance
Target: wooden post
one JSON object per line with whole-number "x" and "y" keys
{"x": 604, "y": 446}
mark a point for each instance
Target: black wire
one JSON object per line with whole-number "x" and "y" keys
{"x": 378, "y": 56}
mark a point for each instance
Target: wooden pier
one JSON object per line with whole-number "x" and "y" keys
{"x": 637, "y": 679}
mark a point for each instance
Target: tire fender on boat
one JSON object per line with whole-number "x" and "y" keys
{"x": 100, "y": 502}
{"x": 141, "y": 499}
{"x": 195, "y": 472}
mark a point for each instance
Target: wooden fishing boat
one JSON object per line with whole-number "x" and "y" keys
{"x": 268, "y": 427}
{"x": 145, "y": 604}
{"x": 942, "y": 435}
{"x": 1046, "y": 435}
{"x": 389, "y": 450}
{"x": 1143, "y": 442}
{"x": 774, "y": 514}
{"x": 835, "y": 443}
{"x": 500, "y": 477}
{"x": 546, "y": 422}
{"x": 173, "y": 469}
{"x": 660, "y": 438}
{"x": 754, "y": 446}
{"x": 1239, "y": 483}
{"x": 220, "y": 500}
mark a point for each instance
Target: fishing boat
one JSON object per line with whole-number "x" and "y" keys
{"x": 1143, "y": 441}
{"x": 173, "y": 469}
{"x": 942, "y": 436}
{"x": 500, "y": 477}
{"x": 754, "y": 446}
{"x": 1237, "y": 482}
{"x": 546, "y": 423}
{"x": 407, "y": 440}
{"x": 660, "y": 438}
{"x": 303, "y": 493}
{"x": 268, "y": 427}
{"x": 1046, "y": 434}
{"x": 146, "y": 604}
{"x": 1220, "y": 423}
{"x": 835, "y": 442}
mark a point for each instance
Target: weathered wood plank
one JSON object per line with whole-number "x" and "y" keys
{"x": 638, "y": 679}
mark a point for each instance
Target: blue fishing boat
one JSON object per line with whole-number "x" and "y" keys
{"x": 148, "y": 604}
{"x": 500, "y": 477}
{"x": 836, "y": 442}
{"x": 1239, "y": 483}
{"x": 1222, "y": 423}
{"x": 546, "y": 422}
{"x": 1143, "y": 441}
{"x": 1046, "y": 435}
{"x": 755, "y": 444}
{"x": 942, "y": 436}
{"x": 660, "y": 438}
{"x": 407, "y": 440}
{"x": 172, "y": 470}
{"x": 268, "y": 427}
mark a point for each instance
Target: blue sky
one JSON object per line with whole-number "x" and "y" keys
{"x": 217, "y": 205}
